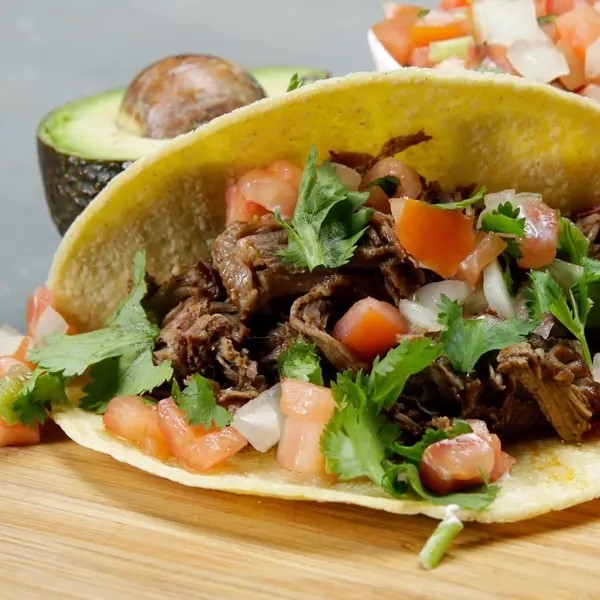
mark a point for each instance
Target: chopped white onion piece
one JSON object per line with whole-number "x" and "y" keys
{"x": 451, "y": 63}
{"x": 10, "y": 340}
{"x": 596, "y": 367}
{"x": 431, "y": 294}
{"x": 539, "y": 61}
{"x": 496, "y": 291}
{"x": 260, "y": 420}
{"x": 383, "y": 60}
{"x": 592, "y": 61}
{"x": 50, "y": 321}
{"x": 419, "y": 316}
{"x": 349, "y": 177}
{"x": 506, "y": 21}
{"x": 436, "y": 17}
{"x": 493, "y": 200}
{"x": 476, "y": 302}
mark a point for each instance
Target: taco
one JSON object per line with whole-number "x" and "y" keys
{"x": 373, "y": 291}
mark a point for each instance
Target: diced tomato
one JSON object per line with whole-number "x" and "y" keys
{"x": 38, "y": 300}
{"x": 238, "y": 208}
{"x": 130, "y": 418}
{"x": 576, "y": 77}
{"x": 579, "y": 27}
{"x": 450, "y": 4}
{"x": 174, "y": 427}
{"x": 541, "y": 8}
{"x": 21, "y": 352}
{"x": 299, "y": 448}
{"x": 210, "y": 449}
{"x": 275, "y": 187}
{"x": 438, "y": 238}
{"x": 549, "y": 28}
{"x": 541, "y": 235}
{"x": 559, "y": 7}
{"x": 456, "y": 463}
{"x": 305, "y": 400}
{"x": 489, "y": 247}
{"x": 394, "y": 35}
{"x": 19, "y": 435}
{"x": 422, "y": 33}
{"x": 393, "y": 9}
{"x": 502, "y": 461}
{"x": 497, "y": 53}
{"x": 419, "y": 57}
{"x": 410, "y": 182}
{"x": 370, "y": 328}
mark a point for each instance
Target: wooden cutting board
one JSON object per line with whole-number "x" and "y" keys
{"x": 77, "y": 525}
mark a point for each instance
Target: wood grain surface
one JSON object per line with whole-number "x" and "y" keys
{"x": 74, "y": 524}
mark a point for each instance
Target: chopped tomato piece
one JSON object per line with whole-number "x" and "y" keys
{"x": 238, "y": 208}
{"x": 130, "y": 418}
{"x": 549, "y": 28}
{"x": 502, "y": 461}
{"x": 39, "y": 299}
{"x": 541, "y": 235}
{"x": 173, "y": 425}
{"x": 438, "y": 238}
{"x": 423, "y": 33}
{"x": 419, "y": 57}
{"x": 450, "y": 4}
{"x": 456, "y": 463}
{"x": 497, "y": 53}
{"x": 370, "y": 328}
{"x": 299, "y": 448}
{"x": 305, "y": 400}
{"x": 19, "y": 435}
{"x": 273, "y": 188}
{"x": 541, "y": 9}
{"x": 579, "y": 27}
{"x": 21, "y": 352}
{"x": 489, "y": 247}
{"x": 210, "y": 449}
{"x": 559, "y": 7}
{"x": 394, "y": 35}
{"x": 576, "y": 77}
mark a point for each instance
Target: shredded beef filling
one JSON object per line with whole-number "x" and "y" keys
{"x": 231, "y": 318}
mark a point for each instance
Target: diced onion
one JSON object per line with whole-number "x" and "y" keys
{"x": 538, "y": 61}
{"x": 10, "y": 340}
{"x": 437, "y": 17}
{"x": 419, "y": 316}
{"x": 596, "y": 367}
{"x": 476, "y": 302}
{"x": 496, "y": 291}
{"x": 50, "y": 321}
{"x": 383, "y": 60}
{"x": 592, "y": 61}
{"x": 431, "y": 294}
{"x": 451, "y": 63}
{"x": 506, "y": 21}
{"x": 349, "y": 177}
{"x": 260, "y": 420}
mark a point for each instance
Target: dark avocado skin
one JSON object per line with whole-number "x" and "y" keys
{"x": 71, "y": 183}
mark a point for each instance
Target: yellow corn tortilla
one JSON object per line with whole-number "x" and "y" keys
{"x": 494, "y": 130}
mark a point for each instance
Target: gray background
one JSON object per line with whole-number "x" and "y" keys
{"x": 52, "y": 51}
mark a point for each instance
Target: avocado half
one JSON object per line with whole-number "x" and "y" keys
{"x": 80, "y": 148}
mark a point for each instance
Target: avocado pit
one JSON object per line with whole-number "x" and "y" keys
{"x": 177, "y": 94}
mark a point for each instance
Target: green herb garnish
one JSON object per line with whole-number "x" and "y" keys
{"x": 441, "y": 538}
{"x": 389, "y": 184}
{"x": 295, "y": 83}
{"x": 300, "y": 361}
{"x": 199, "y": 403}
{"x": 328, "y": 221}
{"x": 505, "y": 221}
{"x": 461, "y": 204}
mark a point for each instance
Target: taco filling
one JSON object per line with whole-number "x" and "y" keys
{"x": 354, "y": 320}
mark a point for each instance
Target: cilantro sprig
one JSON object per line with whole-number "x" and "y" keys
{"x": 465, "y": 341}
{"x": 389, "y": 184}
{"x": 118, "y": 356}
{"x": 506, "y": 222}
{"x": 300, "y": 361}
{"x": 328, "y": 220}
{"x": 295, "y": 83}
{"x": 461, "y": 204}
{"x": 199, "y": 403}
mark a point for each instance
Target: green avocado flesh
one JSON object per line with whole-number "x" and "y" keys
{"x": 80, "y": 148}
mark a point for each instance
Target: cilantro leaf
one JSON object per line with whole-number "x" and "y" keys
{"x": 545, "y": 295}
{"x": 476, "y": 197}
{"x": 466, "y": 340}
{"x": 389, "y": 184}
{"x": 295, "y": 83}
{"x": 120, "y": 353}
{"x": 356, "y": 438}
{"x": 328, "y": 221}
{"x": 300, "y": 361}
{"x": 415, "y": 452}
{"x": 399, "y": 479}
{"x": 544, "y": 19}
{"x": 423, "y": 13}
{"x": 389, "y": 375}
{"x": 504, "y": 219}
{"x": 42, "y": 392}
{"x": 572, "y": 241}
{"x": 198, "y": 402}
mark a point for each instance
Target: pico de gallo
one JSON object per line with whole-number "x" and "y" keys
{"x": 548, "y": 41}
